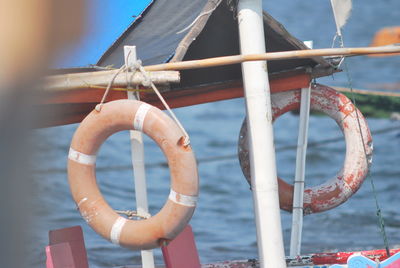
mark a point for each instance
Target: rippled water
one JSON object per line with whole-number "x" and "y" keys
{"x": 223, "y": 222}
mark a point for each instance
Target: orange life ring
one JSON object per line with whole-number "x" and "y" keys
{"x": 348, "y": 180}
{"x": 386, "y": 36}
{"x": 93, "y": 131}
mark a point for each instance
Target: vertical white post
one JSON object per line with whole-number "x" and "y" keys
{"x": 297, "y": 217}
{"x": 137, "y": 151}
{"x": 261, "y": 141}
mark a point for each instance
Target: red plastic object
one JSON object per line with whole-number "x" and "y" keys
{"x": 342, "y": 257}
{"x": 182, "y": 252}
{"x": 73, "y": 237}
{"x": 59, "y": 256}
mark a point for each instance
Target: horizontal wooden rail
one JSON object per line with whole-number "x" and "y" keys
{"x": 66, "y": 107}
{"x": 78, "y": 81}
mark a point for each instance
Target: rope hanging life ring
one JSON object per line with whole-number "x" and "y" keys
{"x": 348, "y": 180}
{"x": 173, "y": 217}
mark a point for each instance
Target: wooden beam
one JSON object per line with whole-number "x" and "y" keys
{"x": 367, "y": 92}
{"x": 220, "y": 92}
{"x": 82, "y": 95}
{"x": 67, "y": 107}
{"x": 181, "y": 97}
{"x": 270, "y": 56}
{"x": 76, "y": 81}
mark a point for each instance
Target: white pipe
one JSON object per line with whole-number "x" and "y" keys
{"x": 259, "y": 121}
{"x": 297, "y": 217}
{"x": 137, "y": 151}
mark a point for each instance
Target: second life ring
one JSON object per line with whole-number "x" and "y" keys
{"x": 93, "y": 131}
{"x": 348, "y": 180}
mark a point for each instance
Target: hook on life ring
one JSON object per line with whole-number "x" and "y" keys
{"x": 358, "y": 157}
{"x": 94, "y": 130}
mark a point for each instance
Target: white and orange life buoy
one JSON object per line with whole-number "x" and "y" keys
{"x": 94, "y": 130}
{"x": 348, "y": 180}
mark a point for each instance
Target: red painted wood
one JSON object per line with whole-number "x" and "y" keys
{"x": 73, "y": 105}
{"x": 219, "y": 91}
{"x": 59, "y": 256}
{"x": 182, "y": 252}
{"x": 74, "y": 237}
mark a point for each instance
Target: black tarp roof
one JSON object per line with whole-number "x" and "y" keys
{"x": 155, "y": 35}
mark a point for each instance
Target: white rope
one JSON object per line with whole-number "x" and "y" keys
{"x": 98, "y": 106}
{"x": 128, "y": 81}
{"x": 350, "y": 82}
{"x": 134, "y": 214}
{"x": 147, "y": 82}
{"x": 198, "y": 17}
{"x": 340, "y": 15}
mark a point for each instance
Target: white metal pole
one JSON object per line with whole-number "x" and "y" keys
{"x": 137, "y": 151}
{"x": 297, "y": 217}
{"x": 261, "y": 142}
{"x": 298, "y": 209}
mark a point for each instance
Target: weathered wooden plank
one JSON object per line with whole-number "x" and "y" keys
{"x": 66, "y": 107}
{"x": 77, "y": 81}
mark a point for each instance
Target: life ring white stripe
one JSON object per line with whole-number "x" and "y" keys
{"x": 116, "y": 230}
{"x": 81, "y": 202}
{"x": 140, "y": 116}
{"x": 181, "y": 199}
{"x": 81, "y": 158}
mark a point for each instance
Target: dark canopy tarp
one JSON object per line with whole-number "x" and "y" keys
{"x": 212, "y": 34}
{"x": 155, "y": 34}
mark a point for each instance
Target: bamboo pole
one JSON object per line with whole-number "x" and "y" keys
{"x": 284, "y": 55}
{"x": 368, "y": 92}
{"x": 102, "y": 78}
{"x": 163, "y": 73}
